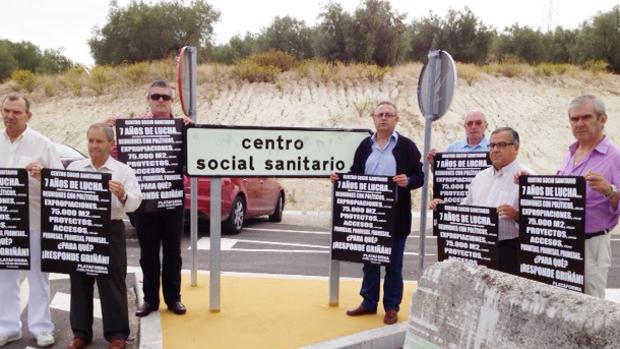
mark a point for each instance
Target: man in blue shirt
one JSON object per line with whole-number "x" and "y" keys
{"x": 388, "y": 153}
{"x": 475, "y": 125}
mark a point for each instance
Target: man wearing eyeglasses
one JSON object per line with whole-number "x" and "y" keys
{"x": 160, "y": 230}
{"x": 495, "y": 187}
{"x": 388, "y": 153}
{"x": 475, "y": 125}
{"x": 595, "y": 157}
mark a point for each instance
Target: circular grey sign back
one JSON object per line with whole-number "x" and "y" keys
{"x": 436, "y": 84}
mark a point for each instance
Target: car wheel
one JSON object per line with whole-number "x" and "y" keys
{"x": 276, "y": 216}
{"x": 234, "y": 223}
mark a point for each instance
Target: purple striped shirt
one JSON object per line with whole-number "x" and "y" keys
{"x": 605, "y": 160}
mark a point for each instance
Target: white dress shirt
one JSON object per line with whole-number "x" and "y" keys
{"x": 492, "y": 188}
{"x": 121, "y": 173}
{"x": 29, "y": 147}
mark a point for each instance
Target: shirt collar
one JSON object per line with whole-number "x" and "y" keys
{"x": 26, "y": 131}
{"x": 108, "y": 165}
{"x": 504, "y": 169}
{"x": 602, "y": 146}
{"x": 393, "y": 136}
{"x": 480, "y": 144}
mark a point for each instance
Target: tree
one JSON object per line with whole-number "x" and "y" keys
{"x": 425, "y": 35}
{"x": 288, "y": 35}
{"x": 7, "y": 62}
{"x": 465, "y": 37}
{"x": 599, "y": 39}
{"x": 26, "y": 54}
{"x": 523, "y": 43}
{"x": 236, "y": 49}
{"x": 377, "y": 34}
{"x": 53, "y": 61}
{"x": 142, "y": 31}
{"x": 332, "y": 32}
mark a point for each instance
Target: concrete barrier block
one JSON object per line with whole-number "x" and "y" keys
{"x": 457, "y": 305}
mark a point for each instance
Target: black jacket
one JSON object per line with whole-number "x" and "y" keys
{"x": 407, "y": 158}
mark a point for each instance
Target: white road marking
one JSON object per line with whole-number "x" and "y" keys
{"x": 205, "y": 244}
{"x": 613, "y": 294}
{"x": 430, "y": 236}
{"x": 58, "y": 276}
{"x": 291, "y": 231}
{"x": 23, "y": 294}
{"x": 62, "y": 301}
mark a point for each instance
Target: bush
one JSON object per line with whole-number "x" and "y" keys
{"x": 509, "y": 68}
{"x": 49, "y": 88}
{"x": 468, "y": 72}
{"x": 254, "y": 72}
{"x": 374, "y": 73}
{"x": 25, "y": 79}
{"x": 283, "y": 61}
{"x": 595, "y": 66}
{"x": 100, "y": 78}
{"x": 164, "y": 69}
{"x": 72, "y": 80}
{"x": 137, "y": 73}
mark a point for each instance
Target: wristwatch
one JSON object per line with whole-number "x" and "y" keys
{"x": 612, "y": 191}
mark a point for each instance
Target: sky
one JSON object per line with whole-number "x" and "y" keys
{"x": 68, "y": 24}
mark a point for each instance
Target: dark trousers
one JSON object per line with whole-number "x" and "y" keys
{"x": 160, "y": 229}
{"x": 392, "y": 283}
{"x": 112, "y": 293}
{"x": 508, "y": 251}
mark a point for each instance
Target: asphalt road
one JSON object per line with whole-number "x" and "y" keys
{"x": 262, "y": 247}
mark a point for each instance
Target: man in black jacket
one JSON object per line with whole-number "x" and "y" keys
{"x": 387, "y": 153}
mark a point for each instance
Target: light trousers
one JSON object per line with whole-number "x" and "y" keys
{"x": 39, "y": 316}
{"x": 598, "y": 261}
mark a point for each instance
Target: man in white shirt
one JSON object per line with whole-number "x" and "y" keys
{"x": 495, "y": 187}
{"x": 22, "y": 147}
{"x": 126, "y": 197}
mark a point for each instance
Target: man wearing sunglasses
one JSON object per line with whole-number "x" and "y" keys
{"x": 475, "y": 125}
{"x": 160, "y": 230}
{"x": 495, "y": 187}
{"x": 388, "y": 153}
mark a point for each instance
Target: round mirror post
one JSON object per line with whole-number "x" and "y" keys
{"x": 435, "y": 91}
{"x": 428, "y": 120}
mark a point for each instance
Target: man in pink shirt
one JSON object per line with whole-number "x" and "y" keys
{"x": 597, "y": 159}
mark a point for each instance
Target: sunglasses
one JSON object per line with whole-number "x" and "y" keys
{"x": 157, "y": 96}
{"x": 473, "y": 122}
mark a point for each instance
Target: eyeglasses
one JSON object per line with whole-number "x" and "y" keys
{"x": 157, "y": 96}
{"x": 473, "y": 122}
{"x": 386, "y": 114}
{"x": 500, "y": 145}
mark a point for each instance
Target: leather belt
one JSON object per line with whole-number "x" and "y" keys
{"x": 598, "y": 233}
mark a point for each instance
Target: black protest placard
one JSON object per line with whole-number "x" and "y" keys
{"x": 551, "y": 230}
{"x": 154, "y": 149}
{"x": 454, "y": 171}
{"x": 14, "y": 219}
{"x": 363, "y": 218}
{"x": 467, "y": 233}
{"x": 75, "y": 221}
